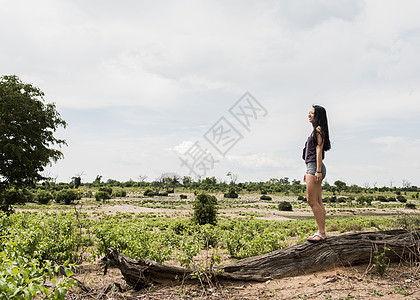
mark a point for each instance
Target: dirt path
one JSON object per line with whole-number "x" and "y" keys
{"x": 399, "y": 282}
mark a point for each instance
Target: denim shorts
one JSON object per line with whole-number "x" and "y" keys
{"x": 311, "y": 169}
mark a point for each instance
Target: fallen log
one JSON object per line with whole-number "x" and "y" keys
{"x": 344, "y": 250}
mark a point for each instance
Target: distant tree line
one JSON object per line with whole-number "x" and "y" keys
{"x": 168, "y": 182}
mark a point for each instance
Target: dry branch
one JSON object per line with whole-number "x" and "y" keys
{"x": 344, "y": 250}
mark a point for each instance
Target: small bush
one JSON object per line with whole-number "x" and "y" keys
{"x": 392, "y": 199}
{"x": 14, "y": 195}
{"x": 265, "y": 197}
{"x": 119, "y": 194}
{"x": 182, "y": 196}
{"x": 67, "y": 196}
{"x": 181, "y": 227}
{"x": 401, "y": 199}
{"x": 381, "y": 198}
{"x": 263, "y": 192}
{"x": 360, "y": 200}
{"x": 341, "y": 200}
{"x": 170, "y": 191}
{"x": 205, "y": 210}
{"x": 285, "y": 206}
{"x": 381, "y": 261}
{"x": 106, "y": 189}
{"x": 163, "y": 194}
{"x": 300, "y": 197}
{"x": 149, "y": 193}
{"x": 410, "y": 206}
{"x": 332, "y": 199}
{"x": 43, "y": 197}
{"x": 102, "y": 195}
{"x": 231, "y": 194}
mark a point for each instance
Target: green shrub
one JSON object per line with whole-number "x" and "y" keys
{"x": 285, "y": 206}
{"x": 410, "y": 206}
{"x": 163, "y": 194}
{"x": 341, "y": 200}
{"x": 332, "y": 199}
{"x": 182, "y": 196}
{"x": 231, "y": 194}
{"x": 301, "y": 198}
{"x": 263, "y": 192}
{"x": 67, "y": 196}
{"x": 401, "y": 199}
{"x": 392, "y": 199}
{"x": 102, "y": 195}
{"x": 181, "y": 227}
{"x": 14, "y": 196}
{"x": 205, "y": 210}
{"x": 382, "y": 198}
{"x": 149, "y": 193}
{"x": 381, "y": 261}
{"x": 360, "y": 200}
{"x": 32, "y": 248}
{"x": 106, "y": 189}
{"x": 43, "y": 197}
{"x": 119, "y": 194}
{"x": 265, "y": 197}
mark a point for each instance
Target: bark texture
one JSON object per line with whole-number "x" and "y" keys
{"x": 343, "y": 250}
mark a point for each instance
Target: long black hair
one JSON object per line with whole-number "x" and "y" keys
{"x": 320, "y": 119}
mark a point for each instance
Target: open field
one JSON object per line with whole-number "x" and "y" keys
{"x": 159, "y": 228}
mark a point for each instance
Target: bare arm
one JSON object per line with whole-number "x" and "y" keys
{"x": 319, "y": 148}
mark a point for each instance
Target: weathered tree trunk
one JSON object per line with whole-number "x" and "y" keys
{"x": 344, "y": 250}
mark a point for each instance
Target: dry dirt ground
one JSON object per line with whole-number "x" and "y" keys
{"x": 361, "y": 282}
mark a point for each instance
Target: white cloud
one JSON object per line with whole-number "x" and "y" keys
{"x": 183, "y": 147}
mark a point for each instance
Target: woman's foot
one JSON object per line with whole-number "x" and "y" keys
{"x": 316, "y": 238}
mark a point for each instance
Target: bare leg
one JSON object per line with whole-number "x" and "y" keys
{"x": 314, "y": 197}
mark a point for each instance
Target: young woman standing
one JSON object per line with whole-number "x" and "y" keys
{"x": 314, "y": 152}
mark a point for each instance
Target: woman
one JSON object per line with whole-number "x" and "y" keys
{"x": 318, "y": 142}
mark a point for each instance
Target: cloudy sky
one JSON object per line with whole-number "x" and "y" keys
{"x": 150, "y": 87}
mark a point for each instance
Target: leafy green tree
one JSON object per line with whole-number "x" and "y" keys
{"x": 326, "y": 186}
{"x": 296, "y": 187}
{"x": 205, "y": 210}
{"x": 77, "y": 180}
{"x": 97, "y": 181}
{"x": 341, "y": 185}
{"x": 27, "y": 127}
